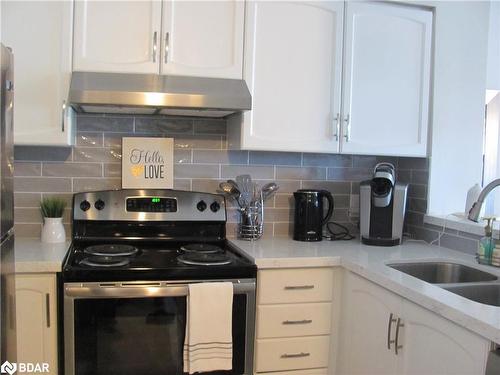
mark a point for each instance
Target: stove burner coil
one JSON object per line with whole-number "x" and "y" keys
{"x": 204, "y": 259}
{"x": 104, "y": 261}
{"x": 111, "y": 250}
{"x": 201, "y": 248}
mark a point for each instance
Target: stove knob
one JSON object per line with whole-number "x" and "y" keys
{"x": 84, "y": 205}
{"x": 215, "y": 206}
{"x": 201, "y": 206}
{"x": 99, "y": 204}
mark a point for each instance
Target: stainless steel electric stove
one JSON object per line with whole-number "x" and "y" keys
{"x": 126, "y": 277}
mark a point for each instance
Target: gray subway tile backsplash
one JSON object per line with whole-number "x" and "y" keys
{"x": 220, "y": 156}
{"x": 28, "y": 169}
{"x": 100, "y": 123}
{"x": 42, "y": 184}
{"x": 275, "y": 158}
{"x": 301, "y": 173}
{"x": 89, "y": 139}
{"x": 210, "y": 126}
{"x": 72, "y": 169}
{"x": 326, "y": 160}
{"x": 202, "y": 160}
{"x": 163, "y": 125}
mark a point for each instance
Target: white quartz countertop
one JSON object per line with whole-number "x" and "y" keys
{"x": 34, "y": 256}
{"x": 371, "y": 263}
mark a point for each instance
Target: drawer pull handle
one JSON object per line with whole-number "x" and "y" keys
{"x": 298, "y": 287}
{"x": 389, "y": 325}
{"x": 304, "y": 321}
{"x": 47, "y": 308}
{"x": 295, "y": 355}
{"x": 398, "y": 347}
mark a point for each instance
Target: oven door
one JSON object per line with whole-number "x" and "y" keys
{"x": 130, "y": 328}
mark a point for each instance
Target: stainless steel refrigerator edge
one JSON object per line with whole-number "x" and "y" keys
{"x": 7, "y": 265}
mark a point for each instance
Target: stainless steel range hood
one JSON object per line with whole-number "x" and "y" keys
{"x": 155, "y": 94}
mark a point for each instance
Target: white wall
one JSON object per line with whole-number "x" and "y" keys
{"x": 461, "y": 36}
{"x": 493, "y": 72}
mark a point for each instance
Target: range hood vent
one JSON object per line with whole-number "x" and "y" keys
{"x": 152, "y": 94}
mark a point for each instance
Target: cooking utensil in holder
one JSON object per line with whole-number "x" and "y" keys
{"x": 250, "y": 226}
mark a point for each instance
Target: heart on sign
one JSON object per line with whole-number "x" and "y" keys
{"x": 137, "y": 170}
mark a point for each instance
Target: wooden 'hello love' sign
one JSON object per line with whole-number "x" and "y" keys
{"x": 147, "y": 163}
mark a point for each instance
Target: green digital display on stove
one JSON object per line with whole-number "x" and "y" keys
{"x": 151, "y": 204}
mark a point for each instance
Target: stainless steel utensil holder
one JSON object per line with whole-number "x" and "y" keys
{"x": 251, "y": 222}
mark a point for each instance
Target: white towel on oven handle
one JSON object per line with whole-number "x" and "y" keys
{"x": 208, "y": 344}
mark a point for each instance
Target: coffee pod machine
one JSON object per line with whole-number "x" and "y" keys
{"x": 382, "y": 206}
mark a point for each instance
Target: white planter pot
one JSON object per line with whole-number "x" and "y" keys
{"x": 53, "y": 230}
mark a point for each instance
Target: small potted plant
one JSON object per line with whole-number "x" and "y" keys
{"x": 52, "y": 209}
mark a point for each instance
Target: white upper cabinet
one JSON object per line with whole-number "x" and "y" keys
{"x": 293, "y": 70}
{"x": 191, "y": 38}
{"x": 112, "y": 36}
{"x": 40, "y": 35}
{"x": 203, "y": 38}
{"x": 386, "y": 76}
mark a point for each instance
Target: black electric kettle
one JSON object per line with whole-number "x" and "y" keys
{"x": 309, "y": 214}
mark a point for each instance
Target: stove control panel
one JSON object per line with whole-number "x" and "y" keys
{"x": 149, "y": 205}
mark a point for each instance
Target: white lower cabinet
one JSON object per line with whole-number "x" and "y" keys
{"x": 36, "y": 309}
{"x": 294, "y": 320}
{"x": 383, "y": 333}
{"x": 434, "y": 345}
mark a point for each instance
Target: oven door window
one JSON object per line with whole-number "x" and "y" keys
{"x": 130, "y": 336}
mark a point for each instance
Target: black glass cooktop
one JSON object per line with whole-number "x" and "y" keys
{"x": 155, "y": 261}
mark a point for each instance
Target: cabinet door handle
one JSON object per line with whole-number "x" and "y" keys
{"x": 63, "y": 114}
{"x": 304, "y": 321}
{"x": 47, "y": 308}
{"x": 155, "y": 45}
{"x": 167, "y": 45}
{"x": 298, "y": 287}
{"x": 295, "y": 355}
{"x": 389, "y": 328}
{"x": 347, "y": 130}
{"x": 397, "y": 347}
{"x": 336, "y": 126}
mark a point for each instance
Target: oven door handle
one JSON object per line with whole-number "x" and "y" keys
{"x": 139, "y": 290}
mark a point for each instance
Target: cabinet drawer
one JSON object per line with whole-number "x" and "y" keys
{"x": 307, "y": 319}
{"x": 295, "y": 285}
{"x": 292, "y": 353}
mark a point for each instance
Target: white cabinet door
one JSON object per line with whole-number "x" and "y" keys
{"x": 435, "y": 346}
{"x": 36, "y": 319}
{"x": 117, "y": 36}
{"x": 367, "y": 309}
{"x": 386, "y": 79}
{"x": 40, "y": 35}
{"x": 203, "y": 38}
{"x": 293, "y": 70}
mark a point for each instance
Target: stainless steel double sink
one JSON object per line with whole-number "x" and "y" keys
{"x": 468, "y": 282}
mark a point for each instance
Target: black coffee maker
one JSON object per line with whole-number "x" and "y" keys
{"x": 309, "y": 214}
